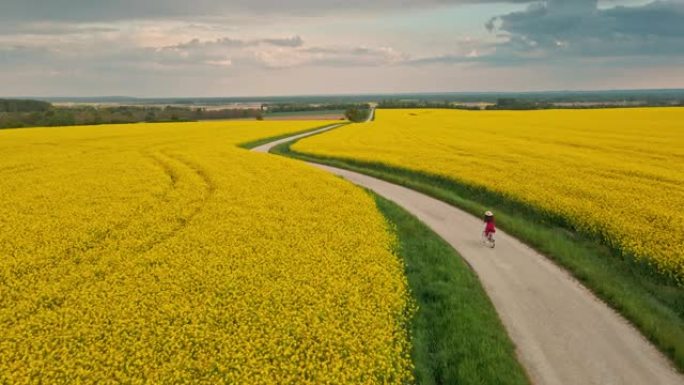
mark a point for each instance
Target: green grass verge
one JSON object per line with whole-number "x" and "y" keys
{"x": 456, "y": 335}
{"x": 259, "y": 142}
{"x": 655, "y": 305}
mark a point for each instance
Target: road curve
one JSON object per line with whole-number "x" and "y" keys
{"x": 562, "y": 332}
{"x": 265, "y": 148}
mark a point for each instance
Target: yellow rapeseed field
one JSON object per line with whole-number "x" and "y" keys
{"x": 162, "y": 253}
{"x": 616, "y": 173}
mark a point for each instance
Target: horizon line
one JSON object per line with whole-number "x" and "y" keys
{"x": 34, "y": 97}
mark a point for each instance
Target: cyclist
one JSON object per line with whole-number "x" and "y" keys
{"x": 490, "y": 228}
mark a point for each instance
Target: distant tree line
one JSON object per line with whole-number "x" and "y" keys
{"x": 519, "y": 104}
{"x": 398, "y": 104}
{"x": 526, "y": 104}
{"x": 29, "y": 113}
{"x": 16, "y": 105}
{"x": 301, "y": 107}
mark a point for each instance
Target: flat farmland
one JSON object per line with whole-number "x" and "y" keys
{"x": 163, "y": 253}
{"x": 615, "y": 174}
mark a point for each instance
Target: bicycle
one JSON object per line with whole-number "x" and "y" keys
{"x": 488, "y": 239}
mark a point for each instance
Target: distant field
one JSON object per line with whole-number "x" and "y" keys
{"x": 162, "y": 253}
{"x": 617, "y": 174}
{"x": 306, "y": 115}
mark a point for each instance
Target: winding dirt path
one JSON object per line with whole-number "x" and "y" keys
{"x": 563, "y": 333}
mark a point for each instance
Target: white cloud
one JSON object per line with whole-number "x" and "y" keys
{"x": 220, "y": 63}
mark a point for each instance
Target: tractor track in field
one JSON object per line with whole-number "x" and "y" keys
{"x": 563, "y": 333}
{"x": 165, "y": 162}
{"x": 162, "y": 159}
{"x": 168, "y": 164}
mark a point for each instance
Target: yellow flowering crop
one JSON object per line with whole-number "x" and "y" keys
{"x": 162, "y": 253}
{"x": 616, "y": 173}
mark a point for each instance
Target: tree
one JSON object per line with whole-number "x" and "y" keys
{"x": 357, "y": 115}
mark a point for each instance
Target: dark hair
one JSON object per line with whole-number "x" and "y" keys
{"x": 489, "y": 218}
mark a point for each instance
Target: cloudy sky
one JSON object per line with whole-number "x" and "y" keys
{"x": 274, "y": 47}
